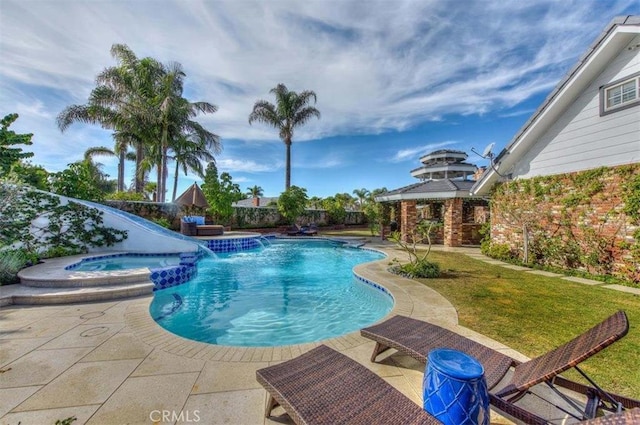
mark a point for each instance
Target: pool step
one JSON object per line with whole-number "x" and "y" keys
{"x": 29, "y": 295}
{"x": 84, "y": 279}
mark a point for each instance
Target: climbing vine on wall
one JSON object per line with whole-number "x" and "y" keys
{"x": 41, "y": 223}
{"x": 588, "y": 221}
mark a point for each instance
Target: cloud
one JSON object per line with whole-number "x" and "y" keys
{"x": 232, "y": 165}
{"x": 416, "y": 152}
{"x": 376, "y": 66}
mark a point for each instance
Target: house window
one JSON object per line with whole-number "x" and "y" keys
{"x": 620, "y": 94}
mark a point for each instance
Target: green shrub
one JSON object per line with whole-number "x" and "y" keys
{"x": 11, "y": 262}
{"x": 161, "y": 221}
{"x": 419, "y": 269}
{"x": 500, "y": 251}
{"x": 126, "y": 196}
{"x": 61, "y": 251}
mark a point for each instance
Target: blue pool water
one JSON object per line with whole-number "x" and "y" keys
{"x": 290, "y": 292}
{"x": 124, "y": 262}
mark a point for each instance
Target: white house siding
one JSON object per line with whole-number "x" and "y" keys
{"x": 581, "y": 139}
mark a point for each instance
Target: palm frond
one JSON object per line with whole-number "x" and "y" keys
{"x": 97, "y": 151}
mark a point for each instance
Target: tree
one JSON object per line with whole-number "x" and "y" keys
{"x": 374, "y": 211}
{"x": 175, "y": 122}
{"x": 291, "y": 110}
{"x": 292, "y": 203}
{"x": 79, "y": 181}
{"x": 10, "y": 155}
{"x": 95, "y": 168}
{"x": 315, "y": 202}
{"x": 255, "y": 191}
{"x": 141, "y": 101}
{"x": 335, "y": 208}
{"x": 362, "y": 195}
{"x": 33, "y": 175}
{"x": 189, "y": 155}
{"x": 220, "y": 193}
{"x": 120, "y": 102}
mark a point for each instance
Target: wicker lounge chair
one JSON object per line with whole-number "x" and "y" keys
{"x": 294, "y": 230}
{"x": 310, "y": 230}
{"x": 628, "y": 417}
{"x": 323, "y": 386}
{"x": 416, "y": 338}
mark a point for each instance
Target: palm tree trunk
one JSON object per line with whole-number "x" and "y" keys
{"x": 175, "y": 181}
{"x": 159, "y": 181}
{"x": 165, "y": 173}
{"x": 139, "y": 178}
{"x": 122, "y": 158}
{"x": 287, "y": 180}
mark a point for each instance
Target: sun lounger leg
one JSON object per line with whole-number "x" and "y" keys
{"x": 379, "y": 348}
{"x": 271, "y": 404}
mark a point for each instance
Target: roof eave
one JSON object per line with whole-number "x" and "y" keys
{"x": 619, "y": 33}
{"x": 425, "y": 195}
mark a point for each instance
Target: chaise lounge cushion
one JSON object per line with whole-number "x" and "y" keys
{"x": 210, "y": 230}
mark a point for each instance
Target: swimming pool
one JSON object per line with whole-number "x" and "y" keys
{"x": 290, "y": 292}
{"x": 124, "y": 262}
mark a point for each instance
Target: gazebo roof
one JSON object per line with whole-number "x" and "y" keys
{"x": 431, "y": 189}
{"x": 192, "y": 197}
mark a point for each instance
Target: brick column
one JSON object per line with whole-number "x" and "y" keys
{"x": 453, "y": 222}
{"x": 408, "y": 218}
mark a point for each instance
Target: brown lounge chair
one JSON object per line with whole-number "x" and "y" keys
{"x": 294, "y": 230}
{"x": 417, "y": 338}
{"x": 323, "y": 386}
{"x": 628, "y": 417}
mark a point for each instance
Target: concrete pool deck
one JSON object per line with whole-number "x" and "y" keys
{"x": 110, "y": 363}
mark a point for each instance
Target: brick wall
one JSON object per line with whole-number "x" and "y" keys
{"x": 574, "y": 220}
{"x": 408, "y": 218}
{"x": 453, "y": 222}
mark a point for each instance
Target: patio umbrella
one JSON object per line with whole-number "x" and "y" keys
{"x": 192, "y": 197}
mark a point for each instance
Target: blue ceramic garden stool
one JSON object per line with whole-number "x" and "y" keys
{"x": 454, "y": 388}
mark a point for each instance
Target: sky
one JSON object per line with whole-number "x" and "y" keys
{"x": 394, "y": 79}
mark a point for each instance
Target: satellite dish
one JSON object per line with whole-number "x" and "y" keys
{"x": 487, "y": 152}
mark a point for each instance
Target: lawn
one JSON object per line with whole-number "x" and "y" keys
{"x": 533, "y": 314}
{"x": 358, "y": 232}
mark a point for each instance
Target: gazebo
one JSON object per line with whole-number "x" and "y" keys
{"x": 443, "y": 196}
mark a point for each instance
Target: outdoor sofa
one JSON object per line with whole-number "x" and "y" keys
{"x": 194, "y": 226}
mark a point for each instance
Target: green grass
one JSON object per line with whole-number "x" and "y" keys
{"x": 534, "y": 314}
{"x": 348, "y": 232}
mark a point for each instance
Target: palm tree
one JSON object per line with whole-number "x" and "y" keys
{"x": 176, "y": 124}
{"x": 120, "y": 102}
{"x": 95, "y": 168}
{"x": 189, "y": 152}
{"x": 290, "y": 111}
{"x": 141, "y": 100}
{"x": 362, "y": 195}
{"x": 255, "y": 191}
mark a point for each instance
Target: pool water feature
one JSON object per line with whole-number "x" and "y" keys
{"x": 288, "y": 292}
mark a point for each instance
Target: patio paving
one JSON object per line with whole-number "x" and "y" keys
{"x": 110, "y": 363}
